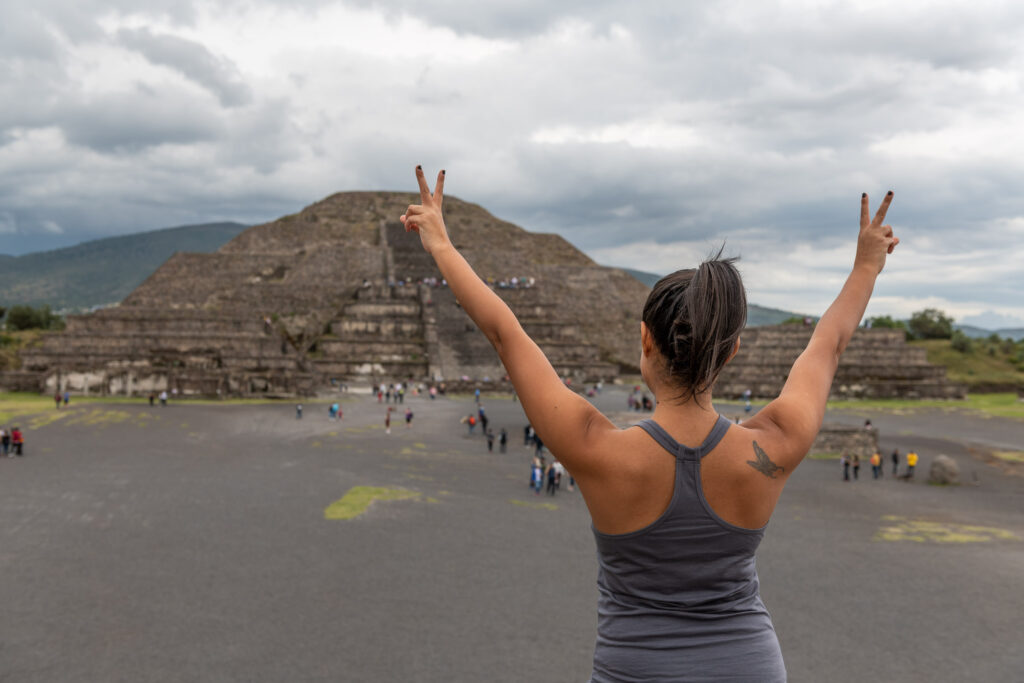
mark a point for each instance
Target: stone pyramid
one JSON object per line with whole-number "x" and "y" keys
{"x": 335, "y": 294}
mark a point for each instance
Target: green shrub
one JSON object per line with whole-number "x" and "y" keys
{"x": 931, "y": 323}
{"x": 28, "y": 318}
{"x": 961, "y": 342}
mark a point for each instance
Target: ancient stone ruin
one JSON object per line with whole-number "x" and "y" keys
{"x": 878, "y": 363}
{"x": 336, "y": 293}
{"x": 340, "y": 293}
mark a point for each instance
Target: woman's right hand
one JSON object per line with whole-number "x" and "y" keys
{"x": 876, "y": 240}
{"x": 426, "y": 218}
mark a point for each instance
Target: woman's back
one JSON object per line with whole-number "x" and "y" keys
{"x": 679, "y": 598}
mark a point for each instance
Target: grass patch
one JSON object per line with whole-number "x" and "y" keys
{"x": 358, "y": 500}
{"x": 1009, "y": 456}
{"x": 534, "y": 505}
{"x": 987, "y": 363}
{"x": 997, "y": 405}
{"x": 923, "y": 531}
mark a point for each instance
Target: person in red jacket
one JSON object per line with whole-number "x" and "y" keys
{"x": 17, "y": 441}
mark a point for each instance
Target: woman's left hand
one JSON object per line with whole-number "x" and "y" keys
{"x": 426, "y": 218}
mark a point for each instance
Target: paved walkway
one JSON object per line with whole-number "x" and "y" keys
{"x": 190, "y": 543}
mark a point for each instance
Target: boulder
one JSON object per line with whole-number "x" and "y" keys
{"x": 944, "y": 470}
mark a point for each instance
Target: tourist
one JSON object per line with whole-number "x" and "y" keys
{"x": 408, "y": 418}
{"x": 476, "y": 395}
{"x": 17, "y": 442}
{"x": 490, "y": 439}
{"x": 876, "y": 464}
{"x": 845, "y": 463}
{"x": 298, "y": 411}
{"x": 152, "y": 398}
{"x": 387, "y": 421}
{"x": 896, "y": 462}
{"x": 552, "y": 480}
{"x": 57, "y": 399}
{"x": 67, "y": 397}
{"x": 527, "y": 436}
{"x": 503, "y": 440}
{"x": 536, "y": 476}
{"x": 698, "y": 559}
{"x": 856, "y": 465}
{"x": 911, "y": 464}
{"x": 470, "y": 421}
{"x": 5, "y": 441}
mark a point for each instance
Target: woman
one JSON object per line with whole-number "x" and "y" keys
{"x": 676, "y": 526}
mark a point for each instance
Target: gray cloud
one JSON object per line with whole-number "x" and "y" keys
{"x": 191, "y": 59}
{"x": 673, "y": 124}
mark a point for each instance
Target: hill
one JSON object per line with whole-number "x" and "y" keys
{"x": 102, "y": 271}
{"x": 756, "y": 315}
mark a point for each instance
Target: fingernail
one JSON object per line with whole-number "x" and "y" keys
{"x": 890, "y": 193}
{"x": 863, "y": 195}
{"x": 418, "y": 167}
{"x": 442, "y": 171}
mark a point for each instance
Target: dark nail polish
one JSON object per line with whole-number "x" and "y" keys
{"x": 418, "y": 167}
{"x": 863, "y": 195}
{"x": 890, "y": 193}
{"x": 442, "y": 171}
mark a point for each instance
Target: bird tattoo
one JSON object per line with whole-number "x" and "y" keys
{"x": 763, "y": 464}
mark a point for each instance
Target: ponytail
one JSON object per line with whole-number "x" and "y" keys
{"x": 695, "y": 317}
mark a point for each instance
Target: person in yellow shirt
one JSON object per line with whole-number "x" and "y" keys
{"x": 876, "y": 465}
{"x": 911, "y": 464}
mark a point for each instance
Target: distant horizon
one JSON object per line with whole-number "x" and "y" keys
{"x": 972, "y": 322}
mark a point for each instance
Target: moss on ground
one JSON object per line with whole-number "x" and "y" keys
{"x": 896, "y": 528}
{"x": 358, "y": 500}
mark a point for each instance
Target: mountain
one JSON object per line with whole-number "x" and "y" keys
{"x": 756, "y": 315}
{"x": 102, "y": 271}
{"x": 1015, "y": 333}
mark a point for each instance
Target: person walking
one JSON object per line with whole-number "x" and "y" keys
{"x": 677, "y": 525}
{"x": 856, "y": 466}
{"x": 5, "y": 441}
{"x": 490, "y": 440}
{"x": 845, "y": 462}
{"x": 911, "y": 463}
{"x": 536, "y": 476}
{"x": 17, "y": 442}
{"x": 896, "y": 462}
{"x": 876, "y": 465}
{"x": 408, "y": 418}
{"x": 552, "y": 480}
{"x": 57, "y": 399}
{"x": 387, "y": 421}
{"x": 527, "y": 436}
{"x": 298, "y": 410}
{"x": 503, "y": 440}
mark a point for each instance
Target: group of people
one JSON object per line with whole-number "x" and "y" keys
{"x": 638, "y": 401}
{"x": 513, "y": 282}
{"x": 850, "y": 463}
{"x": 12, "y": 442}
{"x": 62, "y": 398}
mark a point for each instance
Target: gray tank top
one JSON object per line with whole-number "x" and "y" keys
{"x": 678, "y": 599}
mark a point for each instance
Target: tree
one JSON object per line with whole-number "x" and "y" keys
{"x": 886, "y": 322}
{"x": 961, "y": 342}
{"x": 28, "y": 318}
{"x": 931, "y": 323}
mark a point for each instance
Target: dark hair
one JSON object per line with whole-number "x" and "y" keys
{"x": 695, "y": 317}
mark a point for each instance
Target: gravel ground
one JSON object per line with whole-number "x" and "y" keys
{"x": 189, "y": 543}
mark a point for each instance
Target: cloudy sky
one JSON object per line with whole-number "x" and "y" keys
{"x": 644, "y": 132}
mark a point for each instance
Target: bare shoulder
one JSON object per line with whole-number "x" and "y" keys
{"x": 744, "y": 475}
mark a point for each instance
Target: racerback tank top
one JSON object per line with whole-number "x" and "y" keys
{"x": 678, "y": 599}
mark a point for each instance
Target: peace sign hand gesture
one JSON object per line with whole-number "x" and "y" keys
{"x": 426, "y": 218}
{"x": 875, "y": 240}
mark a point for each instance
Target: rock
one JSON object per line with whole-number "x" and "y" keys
{"x": 944, "y": 470}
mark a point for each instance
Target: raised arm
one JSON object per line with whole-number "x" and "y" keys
{"x": 796, "y": 415}
{"x": 565, "y": 421}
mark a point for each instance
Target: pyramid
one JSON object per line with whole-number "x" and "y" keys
{"x": 336, "y": 294}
